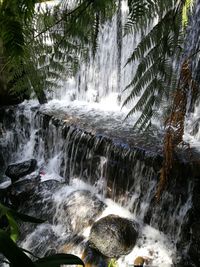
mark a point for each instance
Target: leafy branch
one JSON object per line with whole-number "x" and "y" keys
{"x": 65, "y": 15}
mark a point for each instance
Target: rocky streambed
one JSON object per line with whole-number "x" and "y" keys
{"x": 122, "y": 172}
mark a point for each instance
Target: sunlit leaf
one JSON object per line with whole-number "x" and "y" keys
{"x": 14, "y": 229}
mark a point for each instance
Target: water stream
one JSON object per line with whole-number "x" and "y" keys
{"x": 82, "y": 144}
{"x": 72, "y": 160}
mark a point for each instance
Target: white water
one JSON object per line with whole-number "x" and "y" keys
{"x": 95, "y": 87}
{"x": 94, "y": 92}
{"x": 189, "y": 137}
{"x": 151, "y": 243}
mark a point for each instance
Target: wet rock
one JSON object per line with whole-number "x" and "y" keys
{"x": 49, "y": 186}
{"x": 5, "y": 185}
{"x": 41, "y": 96}
{"x": 194, "y": 250}
{"x": 42, "y": 192}
{"x": 113, "y": 236}
{"x": 196, "y": 230}
{"x": 21, "y": 191}
{"x": 83, "y": 208}
{"x": 4, "y": 196}
{"x": 139, "y": 261}
{"x": 18, "y": 170}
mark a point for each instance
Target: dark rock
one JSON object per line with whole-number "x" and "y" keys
{"x": 113, "y": 236}
{"x": 49, "y": 186}
{"x": 21, "y": 191}
{"x": 26, "y": 185}
{"x": 196, "y": 231}
{"x": 18, "y": 170}
{"x": 194, "y": 253}
{"x": 37, "y": 193}
{"x": 4, "y": 196}
{"x": 5, "y": 185}
{"x": 82, "y": 208}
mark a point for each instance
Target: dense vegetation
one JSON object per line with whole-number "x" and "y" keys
{"x": 38, "y": 46}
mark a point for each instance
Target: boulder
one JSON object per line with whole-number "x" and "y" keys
{"x": 82, "y": 209}
{"x": 18, "y": 170}
{"x": 36, "y": 195}
{"x": 113, "y": 236}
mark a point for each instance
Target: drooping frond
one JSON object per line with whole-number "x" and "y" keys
{"x": 12, "y": 16}
{"x": 155, "y": 55}
{"x": 142, "y": 13}
{"x": 139, "y": 10}
{"x": 161, "y": 30}
{"x": 50, "y": 43}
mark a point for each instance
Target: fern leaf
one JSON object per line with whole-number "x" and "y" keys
{"x": 152, "y": 38}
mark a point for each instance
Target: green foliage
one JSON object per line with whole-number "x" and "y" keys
{"x": 140, "y": 13}
{"x": 156, "y": 55}
{"x": 18, "y": 258}
{"x": 10, "y": 215}
{"x": 12, "y": 16}
{"x": 39, "y": 46}
{"x": 112, "y": 263}
{"x": 16, "y": 255}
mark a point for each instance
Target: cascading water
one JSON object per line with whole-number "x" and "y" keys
{"x": 81, "y": 147}
{"x": 107, "y": 170}
{"x": 102, "y": 76}
{"x": 192, "y": 132}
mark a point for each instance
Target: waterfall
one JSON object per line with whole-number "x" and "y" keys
{"x": 103, "y": 75}
{"x": 81, "y": 143}
{"x": 116, "y": 171}
{"x": 192, "y": 132}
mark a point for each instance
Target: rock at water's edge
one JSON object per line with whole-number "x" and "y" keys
{"x": 113, "y": 236}
{"x": 18, "y": 170}
{"x": 83, "y": 208}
